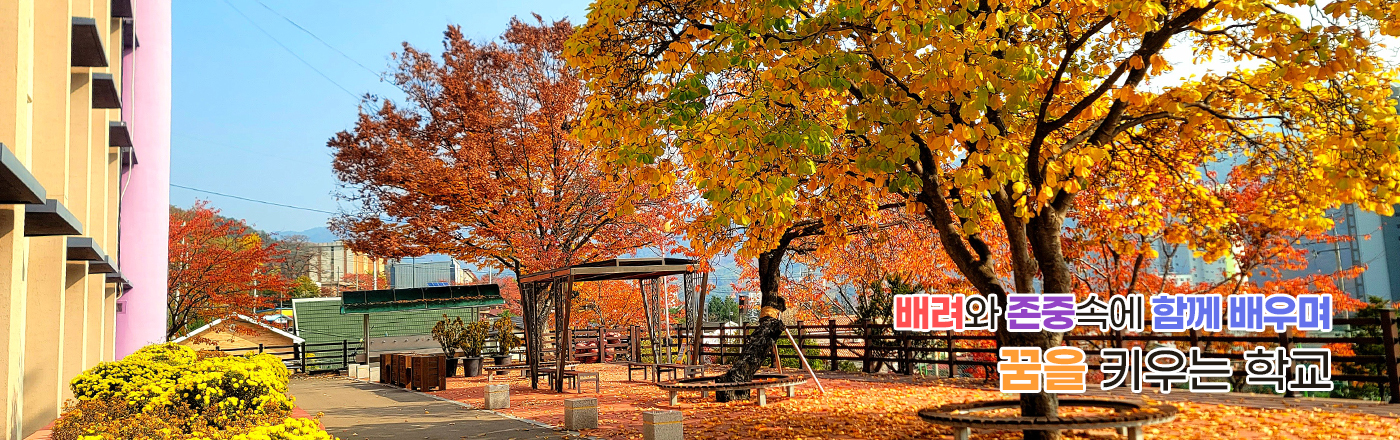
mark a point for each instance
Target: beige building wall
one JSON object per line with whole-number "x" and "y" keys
{"x": 12, "y": 318}
{"x": 57, "y": 319}
{"x": 71, "y": 332}
{"x": 16, "y": 89}
{"x": 43, "y": 354}
{"x": 47, "y": 271}
{"x": 99, "y": 154}
{"x": 333, "y": 264}
{"x": 109, "y": 335}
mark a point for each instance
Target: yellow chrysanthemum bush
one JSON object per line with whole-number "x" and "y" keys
{"x": 290, "y": 429}
{"x": 235, "y": 384}
{"x": 141, "y": 383}
{"x": 168, "y": 391}
{"x": 169, "y": 354}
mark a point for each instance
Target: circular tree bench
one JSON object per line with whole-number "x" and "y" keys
{"x": 1128, "y": 417}
{"x": 761, "y": 383}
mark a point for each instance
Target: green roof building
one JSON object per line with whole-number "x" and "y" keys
{"x": 319, "y": 321}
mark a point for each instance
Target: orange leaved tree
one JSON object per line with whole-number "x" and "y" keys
{"x": 609, "y": 304}
{"x": 480, "y": 163}
{"x": 219, "y": 267}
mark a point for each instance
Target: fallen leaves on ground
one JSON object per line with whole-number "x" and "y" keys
{"x": 880, "y": 407}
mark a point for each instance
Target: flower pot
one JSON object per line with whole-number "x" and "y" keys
{"x": 452, "y": 366}
{"x": 471, "y": 366}
{"x": 501, "y": 359}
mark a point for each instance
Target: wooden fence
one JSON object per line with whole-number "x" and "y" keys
{"x": 951, "y": 352}
{"x": 905, "y": 352}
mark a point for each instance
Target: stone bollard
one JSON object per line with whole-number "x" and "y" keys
{"x": 362, "y": 372}
{"x": 373, "y": 374}
{"x": 498, "y": 396}
{"x": 662, "y": 425}
{"x": 580, "y": 414}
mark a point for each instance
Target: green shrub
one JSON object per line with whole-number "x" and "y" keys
{"x": 474, "y": 338}
{"x": 847, "y": 367}
{"x": 789, "y": 355}
{"x": 506, "y": 340}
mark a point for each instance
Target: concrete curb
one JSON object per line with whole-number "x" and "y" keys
{"x": 471, "y": 407}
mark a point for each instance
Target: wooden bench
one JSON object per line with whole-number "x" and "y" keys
{"x": 634, "y": 366}
{"x": 491, "y": 370}
{"x": 760, "y": 384}
{"x": 575, "y": 377}
{"x": 689, "y": 371}
{"x": 1128, "y": 417}
{"x": 570, "y": 377}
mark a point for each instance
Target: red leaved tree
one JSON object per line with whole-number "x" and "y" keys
{"x": 219, "y": 267}
{"x": 480, "y": 163}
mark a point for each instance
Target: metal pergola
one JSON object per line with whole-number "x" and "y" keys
{"x": 557, "y": 282}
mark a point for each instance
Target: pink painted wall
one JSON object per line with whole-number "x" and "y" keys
{"x": 143, "y": 250}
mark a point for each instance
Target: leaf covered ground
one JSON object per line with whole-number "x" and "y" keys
{"x": 885, "y": 410}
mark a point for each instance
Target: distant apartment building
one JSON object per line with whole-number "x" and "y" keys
{"x": 1180, "y": 265}
{"x": 403, "y": 275}
{"x": 1369, "y": 240}
{"x": 1373, "y": 241}
{"x": 84, "y": 181}
{"x": 335, "y": 265}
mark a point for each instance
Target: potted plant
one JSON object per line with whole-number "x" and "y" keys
{"x": 505, "y": 339}
{"x": 471, "y": 342}
{"x": 447, "y": 333}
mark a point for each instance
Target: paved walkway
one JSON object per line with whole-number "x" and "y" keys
{"x": 358, "y": 410}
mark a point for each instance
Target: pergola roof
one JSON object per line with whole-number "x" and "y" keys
{"x": 615, "y": 269}
{"x": 420, "y": 298}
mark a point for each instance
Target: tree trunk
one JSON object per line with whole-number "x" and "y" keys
{"x": 758, "y": 346}
{"x": 533, "y": 339}
{"x": 535, "y": 309}
{"x": 974, "y": 258}
{"x": 1040, "y": 404}
{"x": 1043, "y": 235}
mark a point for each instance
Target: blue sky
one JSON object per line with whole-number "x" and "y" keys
{"x": 251, "y": 120}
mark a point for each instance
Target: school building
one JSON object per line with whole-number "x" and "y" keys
{"x": 84, "y": 175}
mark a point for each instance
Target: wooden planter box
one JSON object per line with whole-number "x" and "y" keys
{"x": 386, "y": 368}
{"x": 418, "y": 372}
{"x": 428, "y": 372}
{"x": 394, "y": 369}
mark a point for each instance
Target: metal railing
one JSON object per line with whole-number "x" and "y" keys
{"x": 308, "y": 358}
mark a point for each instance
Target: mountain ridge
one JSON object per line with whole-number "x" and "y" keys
{"x": 315, "y": 235}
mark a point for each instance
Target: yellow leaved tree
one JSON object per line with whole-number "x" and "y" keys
{"x": 997, "y": 114}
